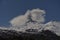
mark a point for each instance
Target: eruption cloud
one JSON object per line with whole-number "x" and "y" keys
{"x": 34, "y": 19}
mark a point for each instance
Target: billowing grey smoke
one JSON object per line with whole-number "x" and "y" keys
{"x": 33, "y": 19}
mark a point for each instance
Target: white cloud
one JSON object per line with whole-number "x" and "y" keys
{"x": 38, "y": 15}
{"x": 19, "y": 20}
{"x": 24, "y": 21}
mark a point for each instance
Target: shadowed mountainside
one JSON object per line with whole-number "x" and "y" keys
{"x": 15, "y": 35}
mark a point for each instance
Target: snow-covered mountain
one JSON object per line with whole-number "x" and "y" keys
{"x": 32, "y": 23}
{"x": 34, "y": 19}
{"x": 18, "y": 35}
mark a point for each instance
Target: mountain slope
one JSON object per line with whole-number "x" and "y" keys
{"x": 15, "y": 35}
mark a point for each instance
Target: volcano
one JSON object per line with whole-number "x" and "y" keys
{"x": 31, "y": 26}
{"x": 28, "y": 35}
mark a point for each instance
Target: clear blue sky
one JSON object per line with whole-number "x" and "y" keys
{"x": 12, "y": 8}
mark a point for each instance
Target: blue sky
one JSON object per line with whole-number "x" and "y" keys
{"x": 12, "y": 8}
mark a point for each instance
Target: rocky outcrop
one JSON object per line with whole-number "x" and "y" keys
{"x": 15, "y": 35}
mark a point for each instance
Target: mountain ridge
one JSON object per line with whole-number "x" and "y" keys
{"x": 19, "y": 35}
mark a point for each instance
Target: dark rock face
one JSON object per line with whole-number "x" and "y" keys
{"x": 14, "y": 35}
{"x": 31, "y": 30}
